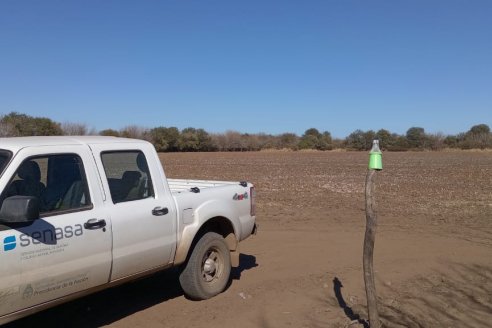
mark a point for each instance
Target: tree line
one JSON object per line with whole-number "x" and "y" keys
{"x": 171, "y": 139}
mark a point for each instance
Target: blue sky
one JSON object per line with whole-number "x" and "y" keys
{"x": 251, "y": 66}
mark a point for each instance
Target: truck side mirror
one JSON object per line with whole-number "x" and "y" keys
{"x": 19, "y": 209}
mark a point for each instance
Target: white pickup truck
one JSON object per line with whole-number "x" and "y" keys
{"x": 79, "y": 214}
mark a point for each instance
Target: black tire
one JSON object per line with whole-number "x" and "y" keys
{"x": 207, "y": 271}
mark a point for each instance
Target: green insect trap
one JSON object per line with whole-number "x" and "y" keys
{"x": 375, "y": 157}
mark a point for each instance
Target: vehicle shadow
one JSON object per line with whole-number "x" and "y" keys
{"x": 114, "y": 304}
{"x": 110, "y": 305}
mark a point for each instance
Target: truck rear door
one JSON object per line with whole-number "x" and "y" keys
{"x": 142, "y": 209}
{"x": 66, "y": 250}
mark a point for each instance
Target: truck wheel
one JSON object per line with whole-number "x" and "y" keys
{"x": 207, "y": 272}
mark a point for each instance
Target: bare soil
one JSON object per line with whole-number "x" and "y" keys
{"x": 433, "y": 255}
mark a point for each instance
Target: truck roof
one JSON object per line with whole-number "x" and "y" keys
{"x": 17, "y": 143}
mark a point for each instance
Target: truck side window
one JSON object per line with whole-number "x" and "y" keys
{"x": 58, "y": 181}
{"x": 128, "y": 175}
{"x": 4, "y": 159}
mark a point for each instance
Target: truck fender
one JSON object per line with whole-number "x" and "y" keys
{"x": 215, "y": 215}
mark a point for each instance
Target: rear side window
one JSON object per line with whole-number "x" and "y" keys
{"x": 4, "y": 159}
{"x": 128, "y": 175}
{"x": 58, "y": 181}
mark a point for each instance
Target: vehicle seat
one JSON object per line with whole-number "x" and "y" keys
{"x": 130, "y": 182}
{"x": 30, "y": 183}
{"x": 144, "y": 185}
{"x": 67, "y": 175}
{"x": 74, "y": 197}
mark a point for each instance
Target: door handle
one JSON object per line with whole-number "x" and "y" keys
{"x": 95, "y": 224}
{"x": 158, "y": 211}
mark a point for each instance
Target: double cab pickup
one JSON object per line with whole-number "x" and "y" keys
{"x": 79, "y": 214}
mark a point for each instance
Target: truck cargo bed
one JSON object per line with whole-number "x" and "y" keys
{"x": 180, "y": 185}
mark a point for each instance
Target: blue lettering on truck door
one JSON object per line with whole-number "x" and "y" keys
{"x": 9, "y": 243}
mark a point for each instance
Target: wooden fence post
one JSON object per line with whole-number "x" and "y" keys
{"x": 375, "y": 164}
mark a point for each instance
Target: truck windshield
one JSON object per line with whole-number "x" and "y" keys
{"x": 4, "y": 159}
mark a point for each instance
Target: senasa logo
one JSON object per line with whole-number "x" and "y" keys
{"x": 9, "y": 243}
{"x": 48, "y": 236}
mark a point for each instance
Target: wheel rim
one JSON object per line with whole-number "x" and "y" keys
{"x": 212, "y": 265}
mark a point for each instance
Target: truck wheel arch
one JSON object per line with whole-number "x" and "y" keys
{"x": 224, "y": 227}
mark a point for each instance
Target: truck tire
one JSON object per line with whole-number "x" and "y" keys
{"x": 207, "y": 271}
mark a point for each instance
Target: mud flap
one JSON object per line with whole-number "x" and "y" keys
{"x": 235, "y": 258}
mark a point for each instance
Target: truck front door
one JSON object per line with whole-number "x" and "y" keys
{"x": 66, "y": 250}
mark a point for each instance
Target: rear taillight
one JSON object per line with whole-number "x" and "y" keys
{"x": 253, "y": 201}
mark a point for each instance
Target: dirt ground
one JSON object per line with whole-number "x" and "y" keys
{"x": 433, "y": 255}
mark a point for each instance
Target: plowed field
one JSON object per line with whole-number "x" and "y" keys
{"x": 433, "y": 255}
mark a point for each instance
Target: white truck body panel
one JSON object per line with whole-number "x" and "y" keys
{"x": 102, "y": 239}
{"x": 55, "y": 256}
{"x": 150, "y": 241}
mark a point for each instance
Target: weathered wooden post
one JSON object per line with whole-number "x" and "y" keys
{"x": 375, "y": 165}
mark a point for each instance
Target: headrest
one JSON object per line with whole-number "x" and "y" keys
{"x": 29, "y": 171}
{"x": 131, "y": 175}
{"x": 142, "y": 163}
